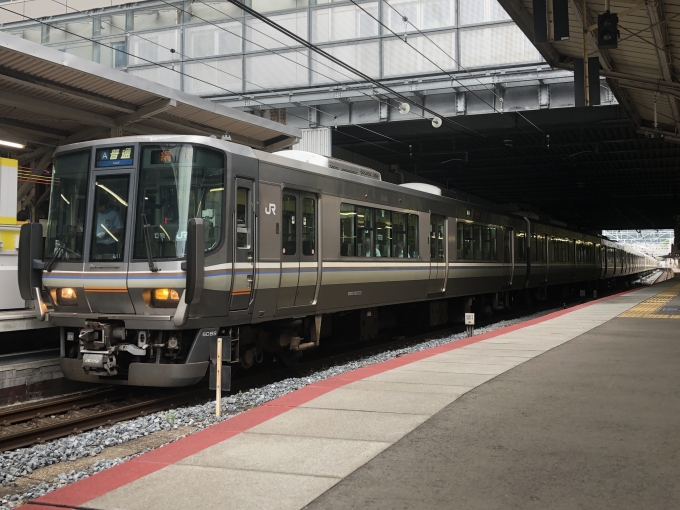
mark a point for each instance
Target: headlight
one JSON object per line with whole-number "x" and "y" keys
{"x": 164, "y": 298}
{"x": 67, "y": 297}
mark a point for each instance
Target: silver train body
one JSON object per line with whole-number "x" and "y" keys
{"x": 290, "y": 246}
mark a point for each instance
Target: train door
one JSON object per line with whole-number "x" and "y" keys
{"x": 299, "y": 251}
{"x": 437, "y": 254}
{"x": 244, "y": 245}
{"x": 508, "y": 256}
{"x": 105, "y": 276}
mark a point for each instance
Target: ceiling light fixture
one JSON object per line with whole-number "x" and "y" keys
{"x": 12, "y": 144}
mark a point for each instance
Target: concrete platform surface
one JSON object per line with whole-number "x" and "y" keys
{"x": 576, "y": 409}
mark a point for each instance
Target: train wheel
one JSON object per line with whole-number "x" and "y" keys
{"x": 289, "y": 358}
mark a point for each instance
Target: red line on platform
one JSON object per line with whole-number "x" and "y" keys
{"x": 97, "y": 485}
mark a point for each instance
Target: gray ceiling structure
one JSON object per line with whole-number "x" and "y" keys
{"x": 50, "y": 98}
{"x": 640, "y": 71}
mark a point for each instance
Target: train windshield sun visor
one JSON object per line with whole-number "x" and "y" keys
{"x": 68, "y": 198}
{"x": 178, "y": 182}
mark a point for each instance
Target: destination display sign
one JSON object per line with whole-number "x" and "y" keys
{"x": 114, "y": 156}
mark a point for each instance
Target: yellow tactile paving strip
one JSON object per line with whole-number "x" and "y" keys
{"x": 649, "y": 308}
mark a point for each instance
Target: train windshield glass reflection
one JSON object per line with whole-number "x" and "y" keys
{"x": 178, "y": 182}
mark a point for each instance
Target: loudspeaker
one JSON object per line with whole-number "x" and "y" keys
{"x": 540, "y": 22}
{"x": 607, "y": 31}
{"x": 593, "y": 82}
{"x": 561, "y": 19}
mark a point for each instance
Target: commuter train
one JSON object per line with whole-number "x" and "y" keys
{"x": 157, "y": 245}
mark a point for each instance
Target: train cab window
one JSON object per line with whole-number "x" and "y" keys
{"x": 111, "y": 206}
{"x": 243, "y": 206}
{"x": 288, "y": 227}
{"x": 178, "y": 182}
{"x": 348, "y": 236}
{"x": 308, "y": 226}
{"x": 68, "y": 196}
{"x": 383, "y": 233}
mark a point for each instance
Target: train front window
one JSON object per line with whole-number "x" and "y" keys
{"x": 111, "y": 206}
{"x": 178, "y": 182}
{"x": 68, "y": 197}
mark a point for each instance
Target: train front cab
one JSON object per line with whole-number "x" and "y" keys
{"x": 149, "y": 253}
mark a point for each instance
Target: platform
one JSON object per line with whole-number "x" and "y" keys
{"x": 18, "y": 320}
{"x": 576, "y": 409}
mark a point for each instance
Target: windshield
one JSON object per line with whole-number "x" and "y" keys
{"x": 67, "y": 206}
{"x": 110, "y": 213}
{"x": 178, "y": 182}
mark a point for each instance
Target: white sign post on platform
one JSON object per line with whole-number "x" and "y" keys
{"x": 470, "y": 323}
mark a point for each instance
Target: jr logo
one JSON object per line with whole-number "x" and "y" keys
{"x": 270, "y": 209}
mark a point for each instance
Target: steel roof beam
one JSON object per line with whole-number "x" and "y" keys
{"x": 608, "y": 64}
{"x": 42, "y": 85}
{"x": 33, "y": 129}
{"x": 210, "y": 131}
{"x": 525, "y": 21}
{"x": 145, "y": 112}
{"x": 54, "y": 110}
{"x": 661, "y": 40}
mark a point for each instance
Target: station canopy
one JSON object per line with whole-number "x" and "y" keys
{"x": 641, "y": 71}
{"x": 50, "y": 98}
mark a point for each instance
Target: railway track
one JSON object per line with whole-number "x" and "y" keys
{"x": 46, "y": 420}
{"x": 25, "y": 425}
{"x": 43, "y": 421}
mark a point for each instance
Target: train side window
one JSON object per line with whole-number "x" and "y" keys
{"x": 489, "y": 243}
{"x": 520, "y": 247}
{"x": 308, "y": 226}
{"x": 242, "y": 218}
{"x": 288, "y": 206}
{"x": 399, "y": 247}
{"x": 383, "y": 233}
{"x": 348, "y": 236}
{"x": 460, "y": 240}
{"x": 412, "y": 236}
{"x": 477, "y": 242}
{"x": 366, "y": 232}
{"x": 507, "y": 240}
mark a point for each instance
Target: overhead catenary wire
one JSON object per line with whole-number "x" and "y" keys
{"x": 349, "y": 68}
{"x": 164, "y": 67}
{"x": 372, "y": 97}
{"x": 460, "y": 66}
{"x": 192, "y": 59}
{"x": 173, "y": 51}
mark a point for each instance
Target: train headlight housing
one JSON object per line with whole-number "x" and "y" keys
{"x": 164, "y": 298}
{"x": 67, "y": 296}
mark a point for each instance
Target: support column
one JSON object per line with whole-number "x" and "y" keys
{"x": 9, "y": 236}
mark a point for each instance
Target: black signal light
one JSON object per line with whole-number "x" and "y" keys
{"x": 607, "y": 31}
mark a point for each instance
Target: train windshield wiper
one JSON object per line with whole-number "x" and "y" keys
{"x": 147, "y": 244}
{"x": 59, "y": 252}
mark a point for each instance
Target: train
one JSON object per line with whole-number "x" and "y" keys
{"x": 156, "y": 246}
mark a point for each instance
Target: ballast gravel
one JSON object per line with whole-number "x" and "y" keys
{"x": 22, "y": 462}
